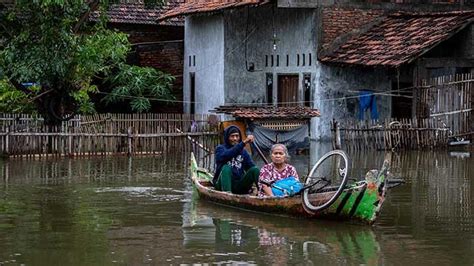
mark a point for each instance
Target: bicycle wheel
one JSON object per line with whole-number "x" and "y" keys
{"x": 329, "y": 174}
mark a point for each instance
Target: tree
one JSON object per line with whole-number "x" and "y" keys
{"x": 53, "y": 58}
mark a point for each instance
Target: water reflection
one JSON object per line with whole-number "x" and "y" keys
{"x": 142, "y": 211}
{"x": 432, "y": 215}
{"x": 83, "y": 211}
{"x": 89, "y": 170}
{"x": 281, "y": 240}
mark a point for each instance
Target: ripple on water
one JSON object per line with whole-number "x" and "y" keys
{"x": 160, "y": 194}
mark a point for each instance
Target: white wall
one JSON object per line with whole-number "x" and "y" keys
{"x": 335, "y": 94}
{"x": 204, "y": 41}
{"x": 254, "y": 28}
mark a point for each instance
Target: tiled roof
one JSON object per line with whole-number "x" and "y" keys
{"x": 338, "y": 21}
{"x": 136, "y": 13}
{"x": 268, "y": 112}
{"x": 202, "y": 6}
{"x": 399, "y": 39}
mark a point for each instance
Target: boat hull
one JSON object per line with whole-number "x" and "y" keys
{"x": 360, "y": 203}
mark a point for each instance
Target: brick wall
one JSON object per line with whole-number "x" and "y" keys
{"x": 160, "y": 47}
{"x": 168, "y": 57}
{"x": 150, "y": 33}
{"x": 337, "y": 21}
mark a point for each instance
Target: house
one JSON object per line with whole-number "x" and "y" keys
{"x": 341, "y": 59}
{"x": 154, "y": 44}
{"x": 409, "y": 46}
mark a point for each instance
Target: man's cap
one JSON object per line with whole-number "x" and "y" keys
{"x": 233, "y": 130}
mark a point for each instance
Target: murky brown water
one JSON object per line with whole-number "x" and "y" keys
{"x": 139, "y": 211}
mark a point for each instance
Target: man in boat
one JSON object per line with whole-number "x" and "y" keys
{"x": 235, "y": 170}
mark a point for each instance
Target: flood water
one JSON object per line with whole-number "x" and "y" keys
{"x": 106, "y": 211}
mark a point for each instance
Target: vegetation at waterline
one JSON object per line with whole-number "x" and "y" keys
{"x": 53, "y": 58}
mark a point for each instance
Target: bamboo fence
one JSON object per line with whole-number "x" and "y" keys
{"x": 107, "y": 134}
{"x": 443, "y": 111}
{"x": 405, "y": 134}
{"x": 449, "y": 99}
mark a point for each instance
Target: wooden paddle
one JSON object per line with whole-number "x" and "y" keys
{"x": 194, "y": 141}
{"x": 260, "y": 152}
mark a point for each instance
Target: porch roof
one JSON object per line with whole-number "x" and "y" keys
{"x": 398, "y": 38}
{"x": 268, "y": 112}
{"x": 134, "y": 12}
{"x": 203, "y": 6}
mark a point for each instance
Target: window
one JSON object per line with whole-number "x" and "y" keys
{"x": 269, "y": 86}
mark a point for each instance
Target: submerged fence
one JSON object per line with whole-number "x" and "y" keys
{"x": 106, "y": 134}
{"x": 392, "y": 134}
{"x": 443, "y": 108}
{"x": 448, "y": 99}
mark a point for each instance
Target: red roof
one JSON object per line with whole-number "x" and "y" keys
{"x": 269, "y": 112}
{"x": 399, "y": 39}
{"x": 340, "y": 21}
{"x": 202, "y": 6}
{"x": 136, "y": 13}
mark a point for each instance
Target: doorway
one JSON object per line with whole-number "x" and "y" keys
{"x": 287, "y": 90}
{"x": 192, "y": 86}
{"x": 402, "y": 100}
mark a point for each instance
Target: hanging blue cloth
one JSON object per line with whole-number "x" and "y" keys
{"x": 367, "y": 101}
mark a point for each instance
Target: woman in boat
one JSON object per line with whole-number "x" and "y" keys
{"x": 278, "y": 169}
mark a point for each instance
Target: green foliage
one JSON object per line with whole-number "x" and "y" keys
{"x": 14, "y": 101}
{"x": 49, "y": 42}
{"x": 139, "y": 84}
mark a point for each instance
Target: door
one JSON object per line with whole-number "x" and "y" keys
{"x": 287, "y": 90}
{"x": 192, "y": 87}
{"x": 402, "y": 100}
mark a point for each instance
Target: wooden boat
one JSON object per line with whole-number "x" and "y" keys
{"x": 359, "y": 201}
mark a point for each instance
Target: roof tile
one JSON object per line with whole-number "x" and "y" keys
{"x": 134, "y": 12}
{"x": 399, "y": 38}
{"x": 268, "y": 112}
{"x": 202, "y": 6}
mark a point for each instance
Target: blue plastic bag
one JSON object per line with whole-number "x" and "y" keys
{"x": 286, "y": 187}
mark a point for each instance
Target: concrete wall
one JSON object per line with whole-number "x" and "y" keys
{"x": 204, "y": 56}
{"x": 335, "y": 91}
{"x": 219, "y": 43}
{"x": 256, "y": 29}
{"x": 296, "y": 33}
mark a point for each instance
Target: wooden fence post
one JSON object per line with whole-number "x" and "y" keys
{"x": 7, "y": 139}
{"x": 337, "y": 135}
{"x": 70, "y": 143}
{"x": 129, "y": 138}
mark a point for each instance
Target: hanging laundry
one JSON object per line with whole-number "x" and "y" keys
{"x": 367, "y": 101}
